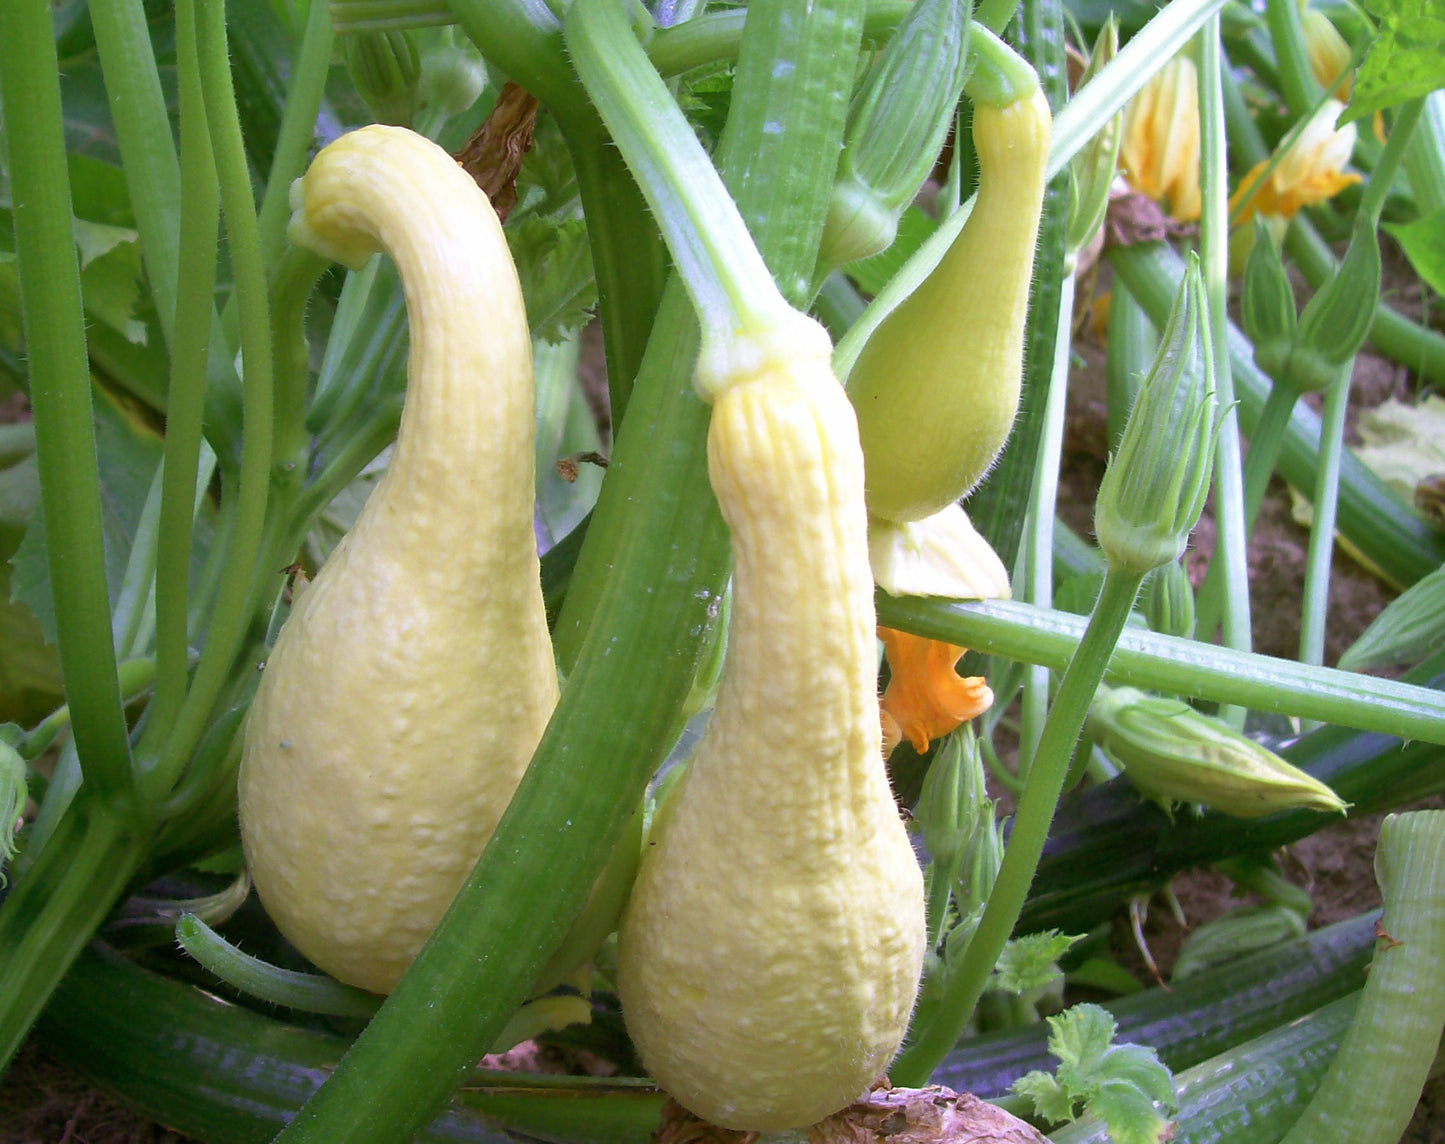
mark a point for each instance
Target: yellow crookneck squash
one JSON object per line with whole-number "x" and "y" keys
{"x": 937, "y": 383}
{"x": 770, "y": 953}
{"x": 414, "y": 677}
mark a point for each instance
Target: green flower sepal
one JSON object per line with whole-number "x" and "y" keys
{"x": 1175, "y": 754}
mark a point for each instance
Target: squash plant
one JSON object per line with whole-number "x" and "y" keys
{"x": 206, "y": 418}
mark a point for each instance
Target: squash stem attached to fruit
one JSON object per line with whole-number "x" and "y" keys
{"x": 746, "y": 323}
{"x": 1000, "y": 75}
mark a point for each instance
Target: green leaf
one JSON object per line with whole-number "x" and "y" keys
{"x": 1031, "y": 962}
{"x": 1129, "y": 1115}
{"x": 1424, "y": 244}
{"x": 1125, "y": 1086}
{"x": 129, "y": 452}
{"x": 30, "y": 683}
{"x": 1406, "y": 60}
{"x": 554, "y": 263}
{"x": 1050, "y": 1099}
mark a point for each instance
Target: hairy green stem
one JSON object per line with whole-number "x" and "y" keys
{"x": 309, "y": 69}
{"x": 1286, "y": 32}
{"x": 142, "y": 129}
{"x": 1230, "y": 551}
{"x": 52, "y": 912}
{"x": 1425, "y": 159}
{"x": 966, "y": 982}
{"x": 230, "y": 616}
{"x": 60, "y": 396}
{"x": 1264, "y": 448}
{"x": 1179, "y": 666}
{"x": 1315, "y": 606}
{"x": 186, "y": 397}
{"x": 1043, "y": 498}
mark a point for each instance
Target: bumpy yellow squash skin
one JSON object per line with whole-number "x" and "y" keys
{"x": 414, "y": 677}
{"x": 769, "y": 956}
{"x": 937, "y": 384}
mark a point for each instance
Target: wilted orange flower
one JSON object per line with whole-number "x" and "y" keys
{"x": 925, "y": 697}
{"x": 1159, "y": 153}
{"x": 1309, "y": 172}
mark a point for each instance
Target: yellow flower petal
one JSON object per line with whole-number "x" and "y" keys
{"x": 925, "y": 697}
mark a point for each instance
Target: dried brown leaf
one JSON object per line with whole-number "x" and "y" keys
{"x": 493, "y": 155}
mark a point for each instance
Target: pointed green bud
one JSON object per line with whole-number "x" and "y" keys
{"x": 1336, "y": 321}
{"x": 1169, "y": 601}
{"x": 1267, "y": 304}
{"x": 952, "y": 802}
{"x": 896, "y": 128}
{"x": 1242, "y": 930}
{"x": 386, "y": 70}
{"x": 1173, "y": 753}
{"x": 1093, "y": 169}
{"x": 1411, "y": 627}
{"x": 1154, "y": 488}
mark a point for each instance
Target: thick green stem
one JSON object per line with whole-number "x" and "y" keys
{"x": 1296, "y": 81}
{"x": 1264, "y": 448}
{"x": 1230, "y": 551}
{"x": 1179, "y": 666}
{"x": 142, "y": 128}
{"x": 1425, "y": 159}
{"x": 60, "y": 396}
{"x": 656, "y": 559}
{"x": 1322, "y": 528}
{"x": 627, "y": 255}
{"x": 1039, "y": 567}
{"x": 967, "y": 980}
{"x": 230, "y": 616}
{"x": 52, "y": 912}
{"x": 298, "y": 127}
{"x": 725, "y": 276}
{"x": 524, "y": 40}
{"x": 186, "y": 397}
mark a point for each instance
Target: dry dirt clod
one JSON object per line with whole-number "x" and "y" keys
{"x": 932, "y": 1115}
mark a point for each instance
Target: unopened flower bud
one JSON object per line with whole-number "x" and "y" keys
{"x": 386, "y": 70}
{"x": 1092, "y": 170}
{"x": 1169, "y": 601}
{"x": 951, "y": 802}
{"x": 1328, "y": 53}
{"x": 1154, "y": 488}
{"x": 896, "y": 129}
{"x": 1240, "y": 931}
{"x": 1337, "y": 320}
{"x": 1173, "y": 753}
{"x": 1267, "y": 304}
